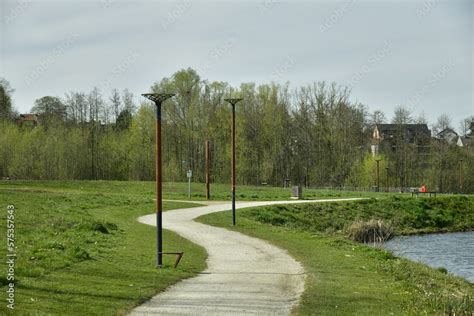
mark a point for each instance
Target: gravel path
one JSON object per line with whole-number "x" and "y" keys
{"x": 245, "y": 275}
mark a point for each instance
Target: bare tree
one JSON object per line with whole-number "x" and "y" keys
{"x": 421, "y": 119}
{"x": 443, "y": 122}
{"x": 128, "y": 103}
{"x": 377, "y": 117}
{"x": 402, "y": 115}
{"x": 465, "y": 125}
{"x": 116, "y": 104}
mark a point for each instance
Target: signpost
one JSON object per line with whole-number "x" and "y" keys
{"x": 189, "y": 174}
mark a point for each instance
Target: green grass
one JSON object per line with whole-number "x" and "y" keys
{"x": 407, "y": 215}
{"x": 175, "y": 190}
{"x": 352, "y": 279}
{"x": 81, "y": 251}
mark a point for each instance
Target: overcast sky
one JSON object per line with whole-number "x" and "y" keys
{"x": 413, "y": 53}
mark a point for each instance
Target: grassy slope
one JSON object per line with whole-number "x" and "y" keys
{"x": 173, "y": 190}
{"x": 407, "y": 215}
{"x": 85, "y": 253}
{"x": 348, "y": 278}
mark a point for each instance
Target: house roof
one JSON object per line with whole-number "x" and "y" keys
{"x": 445, "y": 132}
{"x": 29, "y": 117}
{"x": 393, "y": 127}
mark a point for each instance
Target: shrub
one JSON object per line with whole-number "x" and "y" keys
{"x": 80, "y": 254}
{"x": 98, "y": 226}
{"x": 442, "y": 270}
{"x": 373, "y": 231}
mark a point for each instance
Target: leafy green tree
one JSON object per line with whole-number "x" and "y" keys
{"x": 313, "y": 135}
{"x": 124, "y": 120}
{"x": 50, "y": 109}
{"x": 6, "y": 108}
{"x": 9, "y": 136}
{"x": 142, "y": 144}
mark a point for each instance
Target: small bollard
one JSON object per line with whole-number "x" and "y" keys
{"x": 297, "y": 192}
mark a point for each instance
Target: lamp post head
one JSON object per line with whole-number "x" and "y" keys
{"x": 233, "y": 101}
{"x": 158, "y": 97}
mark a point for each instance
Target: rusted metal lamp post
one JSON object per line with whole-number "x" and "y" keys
{"x": 233, "y": 102}
{"x": 158, "y": 98}
{"x": 208, "y": 177}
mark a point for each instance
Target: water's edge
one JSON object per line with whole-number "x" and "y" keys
{"x": 453, "y": 251}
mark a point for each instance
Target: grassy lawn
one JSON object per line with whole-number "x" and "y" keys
{"x": 80, "y": 250}
{"x": 344, "y": 277}
{"x": 176, "y": 191}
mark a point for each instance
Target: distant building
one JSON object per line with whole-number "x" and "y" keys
{"x": 392, "y": 136}
{"x": 465, "y": 141}
{"x": 28, "y": 120}
{"x": 449, "y": 135}
{"x": 452, "y": 138}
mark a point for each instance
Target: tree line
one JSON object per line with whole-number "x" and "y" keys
{"x": 313, "y": 135}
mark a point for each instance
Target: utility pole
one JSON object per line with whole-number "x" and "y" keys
{"x": 233, "y": 102}
{"x": 208, "y": 192}
{"x": 158, "y": 98}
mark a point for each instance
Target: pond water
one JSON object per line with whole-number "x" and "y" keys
{"x": 453, "y": 251}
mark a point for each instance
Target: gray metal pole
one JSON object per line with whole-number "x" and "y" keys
{"x": 233, "y": 102}
{"x": 189, "y": 187}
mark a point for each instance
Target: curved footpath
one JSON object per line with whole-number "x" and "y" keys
{"x": 244, "y": 275}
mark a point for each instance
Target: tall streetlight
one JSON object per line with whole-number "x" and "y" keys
{"x": 233, "y": 102}
{"x": 158, "y": 98}
{"x": 208, "y": 178}
{"x": 378, "y": 174}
